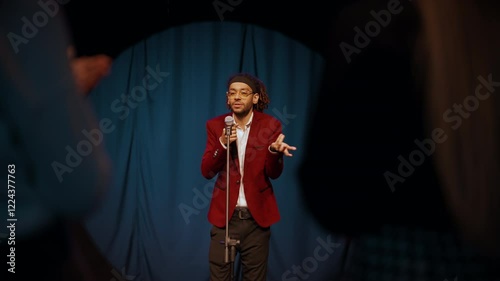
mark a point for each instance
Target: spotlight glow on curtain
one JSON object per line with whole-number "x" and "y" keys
{"x": 154, "y": 105}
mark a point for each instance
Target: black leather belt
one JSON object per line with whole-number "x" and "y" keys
{"x": 242, "y": 213}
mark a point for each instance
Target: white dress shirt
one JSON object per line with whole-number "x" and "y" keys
{"x": 241, "y": 142}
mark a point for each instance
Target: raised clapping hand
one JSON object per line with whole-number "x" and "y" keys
{"x": 280, "y": 146}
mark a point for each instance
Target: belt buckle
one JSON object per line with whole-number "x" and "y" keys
{"x": 240, "y": 212}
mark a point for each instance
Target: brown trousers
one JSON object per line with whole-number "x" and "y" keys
{"x": 253, "y": 248}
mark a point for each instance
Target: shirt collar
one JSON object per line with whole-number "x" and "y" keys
{"x": 248, "y": 123}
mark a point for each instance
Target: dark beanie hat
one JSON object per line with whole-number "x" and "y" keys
{"x": 243, "y": 79}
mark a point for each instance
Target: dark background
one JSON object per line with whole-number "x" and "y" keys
{"x": 111, "y": 26}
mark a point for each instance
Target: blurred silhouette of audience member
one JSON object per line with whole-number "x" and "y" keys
{"x": 463, "y": 76}
{"x": 52, "y": 147}
{"x": 413, "y": 162}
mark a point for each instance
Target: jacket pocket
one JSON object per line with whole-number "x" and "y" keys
{"x": 265, "y": 188}
{"x": 220, "y": 187}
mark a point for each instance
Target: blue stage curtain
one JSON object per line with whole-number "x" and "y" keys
{"x": 153, "y": 107}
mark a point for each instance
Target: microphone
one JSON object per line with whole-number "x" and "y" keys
{"x": 229, "y": 123}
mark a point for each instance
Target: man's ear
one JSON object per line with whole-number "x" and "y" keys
{"x": 255, "y": 98}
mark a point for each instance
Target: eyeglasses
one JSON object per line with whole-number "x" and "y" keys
{"x": 243, "y": 93}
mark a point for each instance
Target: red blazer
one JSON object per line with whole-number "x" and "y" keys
{"x": 261, "y": 166}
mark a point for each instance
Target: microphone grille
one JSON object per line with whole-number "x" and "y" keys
{"x": 229, "y": 120}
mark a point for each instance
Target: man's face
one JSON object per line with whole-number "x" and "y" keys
{"x": 241, "y": 98}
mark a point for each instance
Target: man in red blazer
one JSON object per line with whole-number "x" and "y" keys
{"x": 256, "y": 151}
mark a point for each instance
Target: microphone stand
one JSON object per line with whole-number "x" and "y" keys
{"x": 230, "y": 244}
